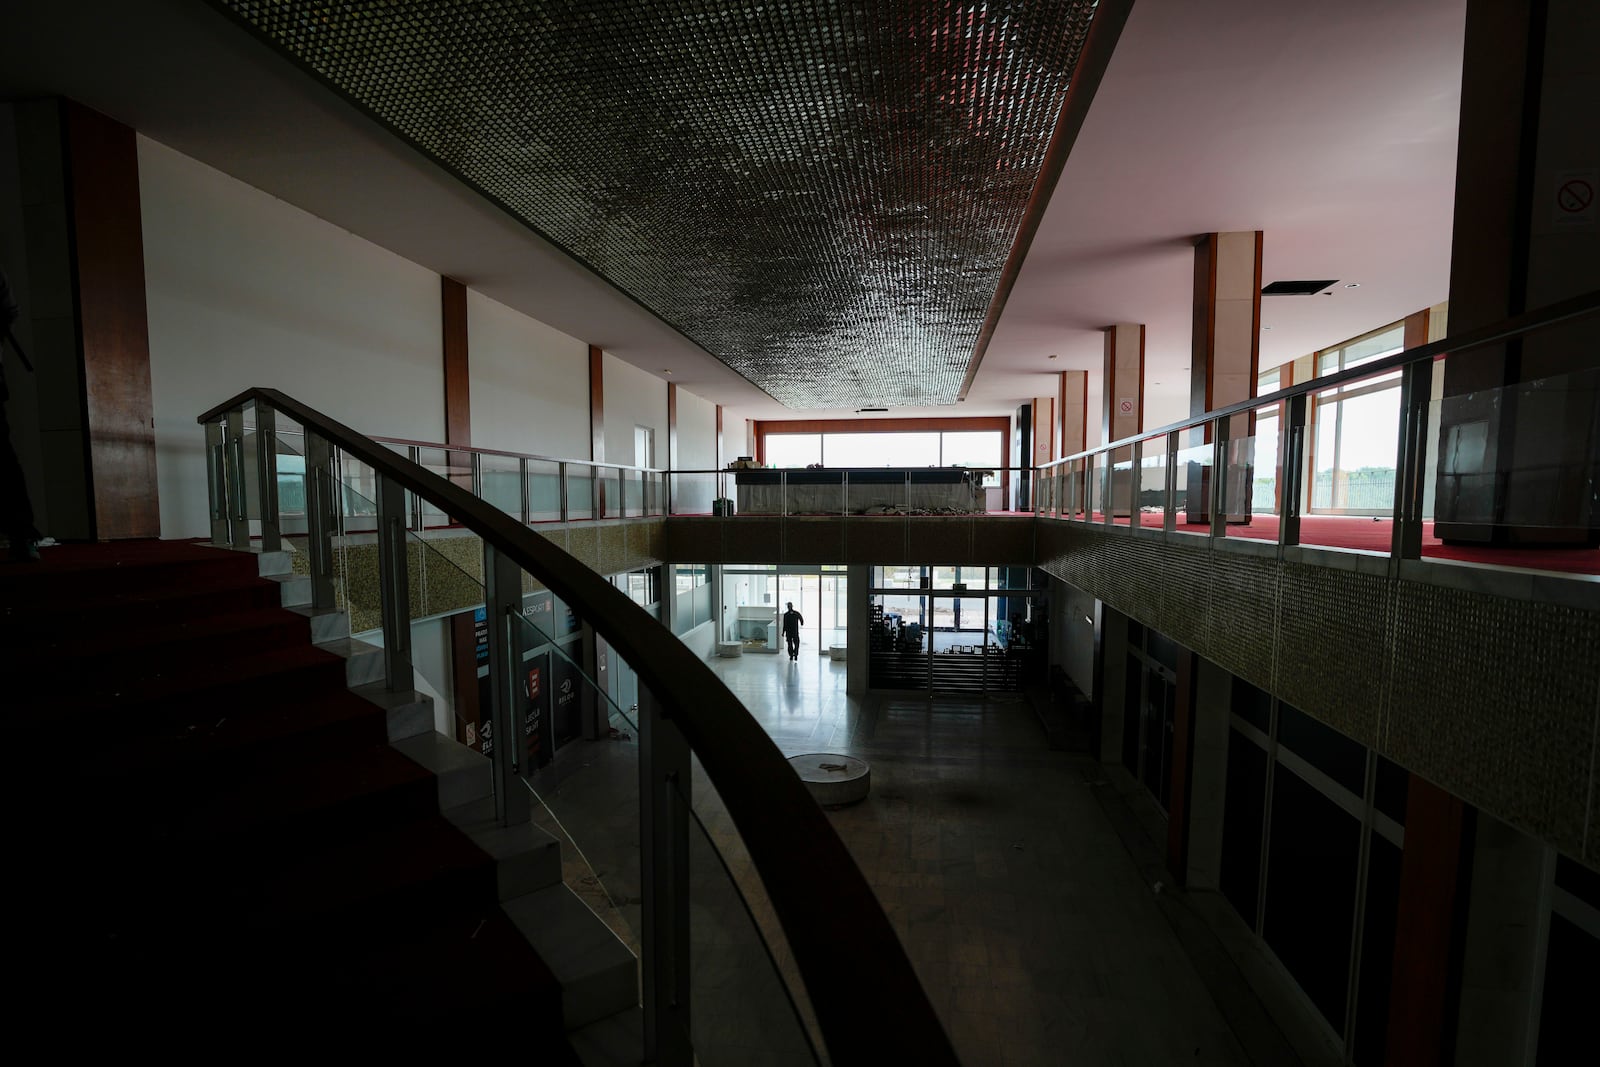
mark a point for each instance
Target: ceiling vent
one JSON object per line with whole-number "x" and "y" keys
{"x": 1300, "y": 288}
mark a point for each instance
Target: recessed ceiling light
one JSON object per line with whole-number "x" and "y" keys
{"x": 666, "y": 370}
{"x": 1266, "y": 327}
{"x": 1352, "y": 285}
{"x": 1053, "y": 355}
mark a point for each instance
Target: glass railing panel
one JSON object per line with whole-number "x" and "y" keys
{"x": 1150, "y": 491}
{"x": 453, "y": 466}
{"x": 741, "y": 1008}
{"x": 500, "y": 480}
{"x": 1094, "y": 487}
{"x": 697, "y": 493}
{"x": 609, "y": 489}
{"x": 1122, "y": 510}
{"x": 633, "y": 491}
{"x": 1252, "y": 479}
{"x": 582, "y": 759}
{"x": 544, "y": 490}
{"x": 583, "y": 489}
{"x": 1193, "y": 492}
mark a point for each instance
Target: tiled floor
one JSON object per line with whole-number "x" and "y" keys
{"x": 1025, "y": 917}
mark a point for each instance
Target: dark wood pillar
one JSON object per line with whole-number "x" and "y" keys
{"x": 1514, "y": 462}
{"x": 672, "y": 426}
{"x": 719, "y": 459}
{"x": 85, "y": 297}
{"x": 597, "y": 404}
{"x": 1072, "y": 410}
{"x": 1427, "y": 929}
{"x": 457, "y": 380}
{"x": 1226, "y": 352}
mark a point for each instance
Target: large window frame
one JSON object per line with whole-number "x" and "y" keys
{"x": 999, "y": 425}
{"x": 1370, "y": 346}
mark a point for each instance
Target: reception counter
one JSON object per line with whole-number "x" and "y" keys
{"x": 858, "y": 490}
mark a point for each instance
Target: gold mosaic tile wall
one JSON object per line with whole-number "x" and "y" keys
{"x": 446, "y": 573}
{"x": 1493, "y": 698}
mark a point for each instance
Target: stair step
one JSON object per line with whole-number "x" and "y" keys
{"x": 599, "y": 975}
{"x": 84, "y": 572}
{"x": 115, "y": 612}
{"x": 203, "y": 745}
{"x": 280, "y": 808}
{"x": 126, "y": 706}
{"x": 207, "y": 637}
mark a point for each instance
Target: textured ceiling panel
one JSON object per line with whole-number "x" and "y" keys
{"x": 822, "y": 195}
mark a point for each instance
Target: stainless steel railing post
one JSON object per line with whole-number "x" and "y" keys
{"x": 502, "y": 583}
{"x": 238, "y": 507}
{"x": 217, "y": 482}
{"x": 321, "y": 518}
{"x": 394, "y": 586}
{"x": 664, "y": 790}
{"x": 267, "y": 477}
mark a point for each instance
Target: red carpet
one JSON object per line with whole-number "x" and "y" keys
{"x": 215, "y": 832}
{"x": 1366, "y": 534}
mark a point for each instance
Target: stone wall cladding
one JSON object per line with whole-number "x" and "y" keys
{"x": 1422, "y": 672}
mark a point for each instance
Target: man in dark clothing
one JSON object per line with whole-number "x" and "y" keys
{"x": 16, "y": 510}
{"x": 792, "y": 621}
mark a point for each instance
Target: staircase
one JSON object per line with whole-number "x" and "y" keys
{"x": 224, "y": 819}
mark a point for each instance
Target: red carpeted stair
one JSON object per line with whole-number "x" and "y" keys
{"x": 212, "y": 828}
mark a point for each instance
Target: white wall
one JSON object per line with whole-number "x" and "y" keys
{"x": 633, "y": 398}
{"x": 244, "y": 289}
{"x": 529, "y": 383}
{"x": 697, "y": 432}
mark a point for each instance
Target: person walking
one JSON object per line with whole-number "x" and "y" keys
{"x": 792, "y": 621}
{"x": 16, "y": 510}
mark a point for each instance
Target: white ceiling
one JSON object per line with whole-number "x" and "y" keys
{"x": 1330, "y": 127}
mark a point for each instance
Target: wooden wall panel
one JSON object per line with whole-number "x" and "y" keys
{"x": 114, "y": 340}
{"x": 1421, "y": 990}
{"x": 597, "y": 403}
{"x": 457, "y": 375}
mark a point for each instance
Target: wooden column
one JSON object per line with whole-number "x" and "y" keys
{"x": 597, "y": 404}
{"x": 457, "y": 387}
{"x": 672, "y": 426}
{"x": 1226, "y": 357}
{"x": 1072, "y": 413}
{"x": 107, "y": 250}
{"x": 1427, "y": 926}
{"x": 1122, "y": 406}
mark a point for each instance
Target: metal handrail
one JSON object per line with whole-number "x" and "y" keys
{"x": 869, "y": 1004}
{"x": 437, "y": 446}
{"x": 1575, "y": 307}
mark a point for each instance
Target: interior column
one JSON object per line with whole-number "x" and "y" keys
{"x": 1072, "y": 413}
{"x": 1225, "y": 360}
{"x": 84, "y": 298}
{"x": 1514, "y": 458}
{"x": 1122, "y": 404}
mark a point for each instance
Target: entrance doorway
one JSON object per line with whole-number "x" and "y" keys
{"x": 754, "y": 599}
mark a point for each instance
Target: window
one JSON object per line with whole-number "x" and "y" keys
{"x": 980, "y": 449}
{"x": 1355, "y": 429}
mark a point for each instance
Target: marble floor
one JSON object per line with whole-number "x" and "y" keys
{"x": 1023, "y": 913}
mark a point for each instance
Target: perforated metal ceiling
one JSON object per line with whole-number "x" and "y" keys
{"x": 821, "y": 194}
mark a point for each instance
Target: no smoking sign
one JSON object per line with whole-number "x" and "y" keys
{"x": 1573, "y": 204}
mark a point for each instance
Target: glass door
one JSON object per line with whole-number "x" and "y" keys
{"x": 832, "y": 597}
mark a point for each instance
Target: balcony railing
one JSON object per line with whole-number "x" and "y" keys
{"x": 633, "y": 803}
{"x": 1238, "y": 475}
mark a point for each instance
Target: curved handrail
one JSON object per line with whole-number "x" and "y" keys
{"x": 1575, "y": 307}
{"x": 869, "y": 1004}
